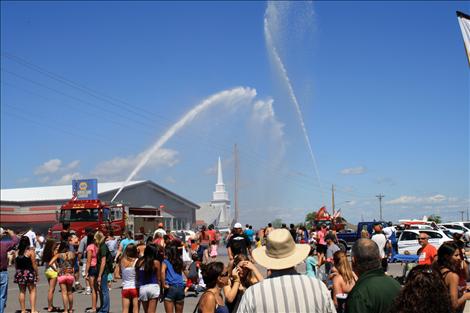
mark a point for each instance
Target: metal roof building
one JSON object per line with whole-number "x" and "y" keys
{"x": 22, "y": 207}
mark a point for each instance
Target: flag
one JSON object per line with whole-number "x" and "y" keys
{"x": 464, "y": 22}
{"x": 337, "y": 214}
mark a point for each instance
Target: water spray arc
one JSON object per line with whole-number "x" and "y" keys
{"x": 230, "y": 97}
{"x": 272, "y": 49}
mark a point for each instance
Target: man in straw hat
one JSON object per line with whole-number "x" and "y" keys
{"x": 285, "y": 290}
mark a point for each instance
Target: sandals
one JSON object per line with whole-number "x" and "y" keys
{"x": 53, "y": 309}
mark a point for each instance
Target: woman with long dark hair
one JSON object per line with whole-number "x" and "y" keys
{"x": 243, "y": 274}
{"x": 91, "y": 269}
{"x": 26, "y": 275}
{"x": 172, "y": 280}
{"x": 147, "y": 270}
{"x": 129, "y": 293}
{"x": 448, "y": 263}
{"x": 215, "y": 277}
{"x": 50, "y": 249}
{"x": 424, "y": 292}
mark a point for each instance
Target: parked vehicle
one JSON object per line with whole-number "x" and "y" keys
{"x": 184, "y": 235}
{"x": 456, "y": 227}
{"x": 346, "y": 239}
{"x": 408, "y": 241}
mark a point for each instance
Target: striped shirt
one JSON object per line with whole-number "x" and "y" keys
{"x": 287, "y": 293}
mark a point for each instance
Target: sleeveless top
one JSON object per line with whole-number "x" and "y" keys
{"x": 218, "y": 308}
{"x": 460, "y": 290}
{"x": 145, "y": 279}
{"x": 213, "y": 252}
{"x": 24, "y": 263}
{"x": 65, "y": 264}
{"x": 128, "y": 276}
{"x": 172, "y": 278}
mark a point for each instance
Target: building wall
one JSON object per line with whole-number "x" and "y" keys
{"x": 42, "y": 214}
{"x": 183, "y": 215}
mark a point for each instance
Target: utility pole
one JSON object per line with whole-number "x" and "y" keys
{"x": 380, "y": 196}
{"x": 236, "y": 178}
{"x": 333, "y": 198}
{"x": 461, "y": 215}
{"x": 467, "y": 213}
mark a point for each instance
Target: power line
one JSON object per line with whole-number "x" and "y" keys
{"x": 130, "y": 108}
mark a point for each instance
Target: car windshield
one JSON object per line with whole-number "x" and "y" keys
{"x": 79, "y": 215}
{"x": 467, "y": 225}
{"x": 448, "y": 234}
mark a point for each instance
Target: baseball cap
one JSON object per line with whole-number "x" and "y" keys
{"x": 237, "y": 225}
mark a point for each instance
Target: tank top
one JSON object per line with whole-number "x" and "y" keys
{"x": 172, "y": 278}
{"x": 65, "y": 264}
{"x": 93, "y": 250}
{"x": 213, "y": 252}
{"x": 145, "y": 279}
{"x": 218, "y": 308}
{"x": 128, "y": 276}
{"x": 23, "y": 263}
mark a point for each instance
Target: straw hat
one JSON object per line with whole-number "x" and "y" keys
{"x": 280, "y": 251}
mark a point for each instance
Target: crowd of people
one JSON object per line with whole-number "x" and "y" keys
{"x": 164, "y": 268}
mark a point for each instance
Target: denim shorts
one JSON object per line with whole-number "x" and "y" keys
{"x": 175, "y": 293}
{"x": 93, "y": 271}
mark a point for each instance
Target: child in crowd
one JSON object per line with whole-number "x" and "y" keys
{"x": 213, "y": 251}
{"x": 312, "y": 263}
{"x": 258, "y": 242}
{"x": 192, "y": 275}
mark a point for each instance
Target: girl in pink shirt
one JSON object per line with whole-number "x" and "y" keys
{"x": 91, "y": 269}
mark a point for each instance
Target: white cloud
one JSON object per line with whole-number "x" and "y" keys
{"x": 67, "y": 178}
{"x": 120, "y": 167}
{"x": 50, "y": 166}
{"x": 353, "y": 170}
{"x": 73, "y": 165}
{"x": 405, "y": 199}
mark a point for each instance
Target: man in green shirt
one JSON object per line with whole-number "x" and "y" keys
{"x": 374, "y": 292}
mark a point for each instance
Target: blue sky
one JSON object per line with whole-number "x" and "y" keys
{"x": 87, "y": 87}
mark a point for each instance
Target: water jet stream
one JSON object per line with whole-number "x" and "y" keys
{"x": 272, "y": 49}
{"x": 231, "y": 97}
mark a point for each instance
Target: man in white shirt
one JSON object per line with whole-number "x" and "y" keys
{"x": 285, "y": 290}
{"x": 382, "y": 242}
{"x": 32, "y": 237}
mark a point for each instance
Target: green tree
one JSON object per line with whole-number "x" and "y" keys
{"x": 435, "y": 218}
{"x": 277, "y": 223}
{"x": 310, "y": 217}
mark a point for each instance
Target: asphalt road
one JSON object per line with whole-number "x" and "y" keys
{"x": 83, "y": 302}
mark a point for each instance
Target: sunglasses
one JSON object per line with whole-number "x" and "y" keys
{"x": 422, "y": 238}
{"x": 224, "y": 274}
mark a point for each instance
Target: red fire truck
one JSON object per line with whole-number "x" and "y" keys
{"x": 95, "y": 214}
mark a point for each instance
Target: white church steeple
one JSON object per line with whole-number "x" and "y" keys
{"x": 220, "y": 194}
{"x": 220, "y": 201}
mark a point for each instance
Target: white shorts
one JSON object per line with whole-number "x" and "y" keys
{"x": 148, "y": 292}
